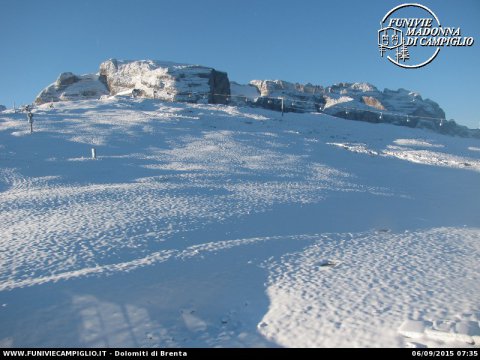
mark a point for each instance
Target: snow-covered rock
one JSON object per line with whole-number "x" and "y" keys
{"x": 193, "y": 83}
{"x": 166, "y": 80}
{"x": 370, "y": 104}
{"x": 362, "y": 101}
{"x": 243, "y": 92}
{"x": 354, "y": 101}
{"x": 144, "y": 78}
{"x": 73, "y": 87}
{"x": 297, "y": 97}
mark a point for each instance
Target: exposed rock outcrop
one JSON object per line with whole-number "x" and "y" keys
{"x": 366, "y": 103}
{"x": 373, "y": 102}
{"x": 356, "y": 101}
{"x": 166, "y": 80}
{"x": 73, "y": 87}
{"x": 299, "y": 97}
{"x": 2, "y": 108}
{"x": 145, "y": 78}
{"x": 360, "y": 97}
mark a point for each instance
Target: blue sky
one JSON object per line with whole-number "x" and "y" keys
{"x": 322, "y": 42}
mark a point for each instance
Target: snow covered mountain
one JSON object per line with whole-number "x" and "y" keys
{"x": 354, "y": 101}
{"x": 356, "y": 97}
{"x": 199, "y": 84}
{"x": 206, "y": 225}
{"x": 145, "y": 78}
{"x": 166, "y": 80}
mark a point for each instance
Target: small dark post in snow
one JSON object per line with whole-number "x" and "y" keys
{"x": 30, "y": 120}
{"x": 94, "y": 153}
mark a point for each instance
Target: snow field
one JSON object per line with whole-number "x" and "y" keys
{"x": 209, "y": 225}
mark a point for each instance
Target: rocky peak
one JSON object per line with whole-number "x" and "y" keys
{"x": 73, "y": 87}
{"x": 356, "y": 98}
{"x": 356, "y": 101}
{"x": 298, "y": 97}
{"x": 145, "y": 78}
{"x": 343, "y": 88}
{"x": 280, "y": 87}
{"x": 66, "y": 79}
{"x": 166, "y": 80}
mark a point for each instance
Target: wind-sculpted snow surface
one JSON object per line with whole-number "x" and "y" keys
{"x": 320, "y": 294}
{"x": 416, "y": 151}
{"x": 211, "y": 225}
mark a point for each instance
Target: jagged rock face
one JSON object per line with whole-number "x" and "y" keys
{"x": 2, "y": 108}
{"x": 73, "y": 87}
{"x": 367, "y": 103}
{"x": 66, "y": 79}
{"x": 149, "y": 79}
{"x": 361, "y": 101}
{"x": 280, "y": 87}
{"x": 166, "y": 80}
{"x": 297, "y": 97}
{"x": 354, "y": 101}
{"x": 219, "y": 86}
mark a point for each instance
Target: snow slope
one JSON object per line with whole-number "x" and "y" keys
{"x": 211, "y": 225}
